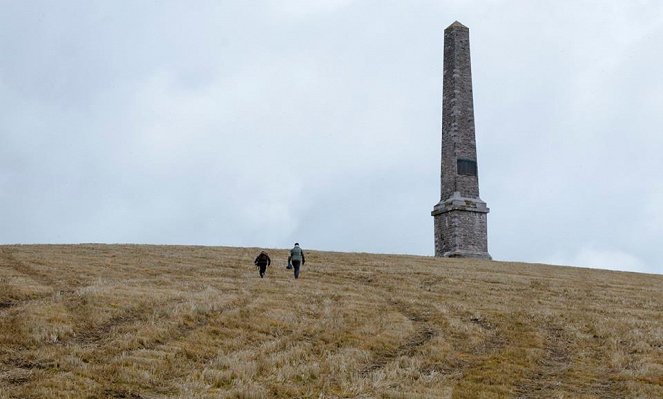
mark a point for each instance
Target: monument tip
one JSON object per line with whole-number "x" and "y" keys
{"x": 456, "y": 25}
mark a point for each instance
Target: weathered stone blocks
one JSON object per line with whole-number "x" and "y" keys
{"x": 460, "y": 218}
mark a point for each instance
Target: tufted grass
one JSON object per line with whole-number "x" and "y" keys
{"x": 138, "y": 321}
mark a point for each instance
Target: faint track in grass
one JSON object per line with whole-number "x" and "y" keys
{"x": 550, "y": 378}
{"x": 114, "y": 393}
{"x": 7, "y": 304}
{"x": 8, "y": 259}
{"x": 131, "y": 315}
{"x": 494, "y": 341}
{"x": 408, "y": 348}
{"x": 96, "y": 336}
{"x": 179, "y": 333}
{"x": 424, "y": 329}
{"x": 457, "y": 367}
{"x": 424, "y": 332}
{"x": 545, "y": 380}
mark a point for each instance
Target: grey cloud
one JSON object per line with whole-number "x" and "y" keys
{"x": 264, "y": 123}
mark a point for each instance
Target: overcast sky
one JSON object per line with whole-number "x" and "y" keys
{"x": 261, "y": 123}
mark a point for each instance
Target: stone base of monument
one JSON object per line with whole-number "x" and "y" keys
{"x": 460, "y": 228}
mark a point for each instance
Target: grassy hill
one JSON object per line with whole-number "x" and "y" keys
{"x": 129, "y": 321}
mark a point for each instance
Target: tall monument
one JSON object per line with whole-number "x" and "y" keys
{"x": 460, "y": 216}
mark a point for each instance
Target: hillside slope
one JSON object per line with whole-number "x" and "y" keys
{"x": 128, "y": 321}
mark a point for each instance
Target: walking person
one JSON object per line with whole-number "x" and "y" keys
{"x": 262, "y": 261}
{"x": 296, "y": 258}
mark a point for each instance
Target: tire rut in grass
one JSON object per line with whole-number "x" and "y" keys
{"x": 456, "y": 367}
{"x": 180, "y": 333}
{"x": 91, "y": 336}
{"x": 186, "y": 328}
{"x": 424, "y": 332}
{"x": 18, "y": 371}
{"x": 134, "y": 315}
{"x": 546, "y": 380}
{"x": 177, "y": 333}
{"x": 8, "y": 259}
{"x": 494, "y": 341}
{"x": 96, "y": 334}
{"x": 115, "y": 393}
{"x": 7, "y": 304}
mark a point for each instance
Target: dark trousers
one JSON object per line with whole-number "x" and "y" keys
{"x": 263, "y": 269}
{"x": 295, "y": 265}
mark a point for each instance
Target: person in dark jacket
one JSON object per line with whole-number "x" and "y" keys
{"x": 296, "y": 258}
{"x": 262, "y": 261}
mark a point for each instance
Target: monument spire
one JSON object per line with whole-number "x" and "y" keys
{"x": 460, "y": 216}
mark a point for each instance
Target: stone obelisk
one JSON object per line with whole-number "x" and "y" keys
{"x": 460, "y": 216}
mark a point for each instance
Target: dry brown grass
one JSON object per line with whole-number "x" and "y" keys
{"x": 126, "y": 321}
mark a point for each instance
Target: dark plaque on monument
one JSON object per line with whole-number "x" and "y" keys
{"x": 467, "y": 167}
